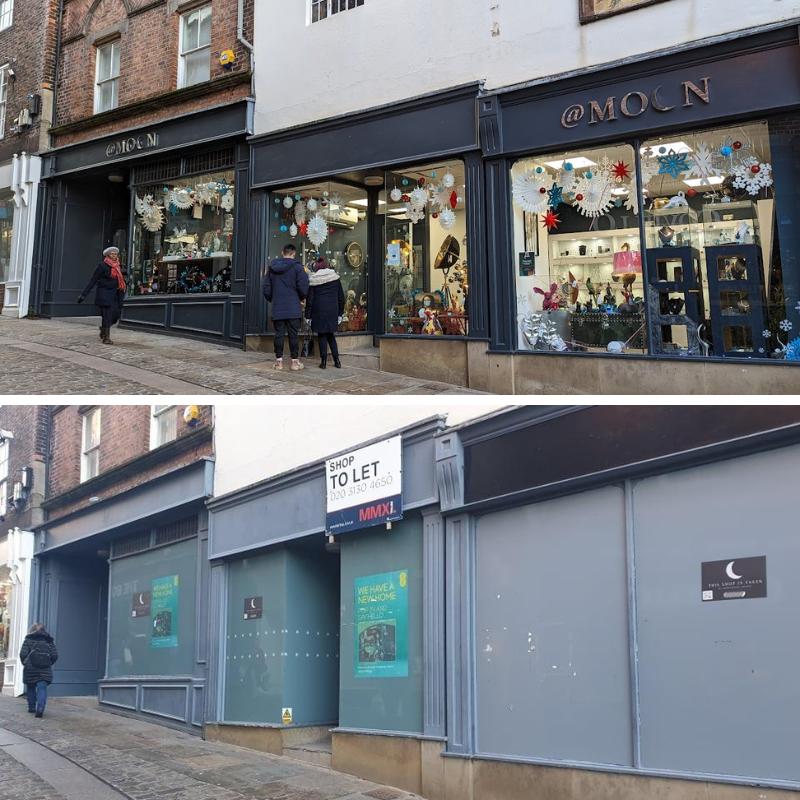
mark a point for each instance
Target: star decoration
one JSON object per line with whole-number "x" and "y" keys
{"x": 621, "y": 170}
{"x": 555, "y": 196}
{"x": 673, "y": 164}
{"x": 551, "y": 220}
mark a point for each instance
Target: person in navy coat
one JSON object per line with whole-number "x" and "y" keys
{"x": 324, "y": 309}
{"x": 110, "y": 292}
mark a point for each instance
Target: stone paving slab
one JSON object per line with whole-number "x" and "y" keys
{"x": 145, "y": 761}
{"x": 65, "y": 356}
{"x": 17, "y": 782}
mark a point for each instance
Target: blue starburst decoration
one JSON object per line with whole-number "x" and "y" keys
{"x": 792, "y": 352}
{"x": 673, "y": 164}
{"x": 555, "y": 196}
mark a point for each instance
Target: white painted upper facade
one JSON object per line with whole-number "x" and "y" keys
{"x": 388, "y": 50}
{"x": 257, "y": 442}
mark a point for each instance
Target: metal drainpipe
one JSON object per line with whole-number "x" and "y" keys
{"x": 248, "y": 45}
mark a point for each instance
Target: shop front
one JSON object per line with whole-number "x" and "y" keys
{"x": 16, "y": 564}
{"x": 392, "y": 199}
{"x": 327, "y": 580}
{"x": 646, "y": 224}
{"x": 173, "y": 197}
{"x": 123, "y": 586}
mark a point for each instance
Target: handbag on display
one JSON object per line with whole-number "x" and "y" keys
{"x": 627, "y": 260}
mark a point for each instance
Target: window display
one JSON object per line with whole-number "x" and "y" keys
{"x": 329, "y": 220}
{"x": 5, "y": 612}
{"x": 708, "y": 266}
{"x": 425, "y": 250}
{"x": 580, "y": 284}
{"x": 6, "y": 232}
{"x": 183, "y": 236}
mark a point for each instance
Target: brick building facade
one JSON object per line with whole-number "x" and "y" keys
{"x": 27, "y": 73}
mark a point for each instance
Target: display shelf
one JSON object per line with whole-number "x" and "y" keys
{"x": 209, "y": 257}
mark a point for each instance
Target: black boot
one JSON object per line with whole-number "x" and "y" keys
{"x": 336, "y": 362}
{"x": 102, "y": 333}
{"x": 323, "y": 361}
{"x": 107, "y": 336}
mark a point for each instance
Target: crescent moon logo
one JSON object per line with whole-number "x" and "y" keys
{"x": 730, "y": 573}
{"x": 253, "y": 603}
{"x": 141, "y": 601}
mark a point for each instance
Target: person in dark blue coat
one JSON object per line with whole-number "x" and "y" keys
{"x": 324, "y": 309}
{"x": 286, "y": 286}
{"x": 110, "y": 293}
{"x": 38, "y": 654}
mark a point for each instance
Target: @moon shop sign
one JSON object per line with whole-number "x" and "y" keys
{"x": 365, "y": 487}
{"x": 735, "y": 579}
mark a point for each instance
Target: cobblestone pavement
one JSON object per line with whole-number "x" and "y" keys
{"x": 19, "y": 783}
{"x": 149, "y": 762}
{"x": 43, "y": 356}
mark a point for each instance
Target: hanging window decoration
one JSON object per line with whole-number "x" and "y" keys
{"x": 226, "y": 201}
{"x": 151, "y": 215}
{"x": 317, "y": 230}
{"x": 752, "y": 176}
{"x": 672, "y": 163}
{"x": 593, "y": 193}
{"x": 530, "y": 190}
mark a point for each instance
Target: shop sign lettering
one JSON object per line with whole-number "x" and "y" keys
{"x": 144, "y": 141}
{"x": 634, "y": 104}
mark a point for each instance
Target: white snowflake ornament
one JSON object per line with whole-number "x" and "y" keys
{"x": 293, "y": 230}
{"x": 593, "y": 195}
{"x": 288, "y": 202}
{"x": 448, "y": 180}
{"x": 151, "y": 215}
{"x": 317, "y": 230}
{"x": 395, "y": 195}
{"x": 419, "y": 198}
{"x": 447, "y": 219}
{"x": 181, "y": 198}
{"x": 227, "y": 201}
{"x": 312, "y": 205}
{"x": 530, "y": 191}
{"x": 702, "y": 163}
{"x": 300, "y": 212}
{"x": 752, "y": 176}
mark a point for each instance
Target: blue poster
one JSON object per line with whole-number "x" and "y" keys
{"x": 381, "y": 625}
{"x": 164, "y": 608}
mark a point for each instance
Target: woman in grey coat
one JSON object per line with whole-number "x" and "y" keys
{"x": 38, "y": 654}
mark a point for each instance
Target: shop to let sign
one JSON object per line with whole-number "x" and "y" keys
{"x": 165, "y": 612}
{"x": 734, "y": 579}
{"x": 365, "y": 487}
{"x": 381, "y": 625}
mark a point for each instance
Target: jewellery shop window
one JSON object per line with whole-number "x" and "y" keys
{"x": 183, "y": 236}
{"x": 5, "y": 611}
{"x": 327, "y": 220}
{"x": 425, "y": 250}
{"x": 717, "y": 284}
{"x": 579, "y": 275}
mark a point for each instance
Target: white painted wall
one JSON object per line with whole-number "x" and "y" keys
{"x": 256, "y": 442}
{"x": 389, "y": 50}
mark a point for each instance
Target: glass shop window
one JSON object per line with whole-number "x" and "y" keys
{"x": 183, "y": 236}
{"x": 578, "y": 270}
{"x": 426, "y": 274}
{"x": 6, "y": 233}
{"x": 5, "y": 611}
{"x": 713, "y": 250}
{"x": 194, "y": 63}
{"x": 327, "y": 220}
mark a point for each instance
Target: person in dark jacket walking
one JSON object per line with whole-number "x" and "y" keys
{"x": 38, "y": 654}
{"x": 324, "y": 309}
{"x": 110, "y": 292}
{"x": 286, "y": 286}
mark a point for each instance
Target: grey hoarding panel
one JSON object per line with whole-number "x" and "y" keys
{"x": 551, "y": 631}
{"x": 718, "y": 681}
{"x": 383, "y": 703}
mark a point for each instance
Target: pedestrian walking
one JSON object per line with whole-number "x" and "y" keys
{"x": 324, "y": 309}
{"x": 286, "y": 287}
{"x": 110, "y": 293}
{"x": 38, "y": 654}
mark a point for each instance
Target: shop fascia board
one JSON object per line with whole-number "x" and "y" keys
{"x": 152, "y": 458}
{"x": 508, "y": 421}
{"x": 749, "y": 444}
{"x": 171, "y": 491}
{"x": 417, "y": 432}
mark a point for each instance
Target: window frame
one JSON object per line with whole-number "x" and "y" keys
{"x": 182, "y": 54}
{"x": 113, "y": 79}
{"x": 6, "y": 13}
{"x": 3, "y": 97}
{"x": 330, "y": 8}
{"x": 87, "y": 419}
{"x": 157, "y": 414}
{"x": 4, "y": 459}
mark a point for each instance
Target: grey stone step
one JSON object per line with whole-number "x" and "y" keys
{"x": 364, "y": 358}
{"x": 318, "y": 752}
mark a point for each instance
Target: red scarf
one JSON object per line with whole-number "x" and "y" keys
{"x": 116, "y": 272}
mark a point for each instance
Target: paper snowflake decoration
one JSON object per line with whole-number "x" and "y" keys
{"x": 530, "y": 191}
{"x": 226, "y": 201}
{"x": 317, "y": 230}
{"x": 703, "y": 163}
{"x": 205, "y": 193}
{"x": 395, "y": 195}
{"x": 593, "y": 196}
{"x": 632, "y": 201}
{"x": 300, "y": 212}
{"x": 447, "y": 219}
{"x": 335, "y": 207}
{"x": 440, "y": 199}
{"x": 151, "y": 215}
{"x": 415, "y": 214}
{"x": 551, "y": 220}
{"x": 621, "y": 171}
{"x": 752, "y": 176}
{"x": 555, "y": 196}
{"x": 785, "y": 325}
{"x": 448, "y": 180}
{"x": 419, "y": 197}
{"x": 648, "y": 169}
{"x": 792, "y": 351}
{"x": 182, "y": 198}
{"x": 288, "y": 201}
{"x": 673, "y": 164}
{"x": 766, "y": 333}
{"x": 312, "y": 205}
{"x": 566, "y": 179}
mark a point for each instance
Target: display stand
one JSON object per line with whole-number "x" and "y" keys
{"x": 737, "y": 299}
{"x": 674, "y": 276}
